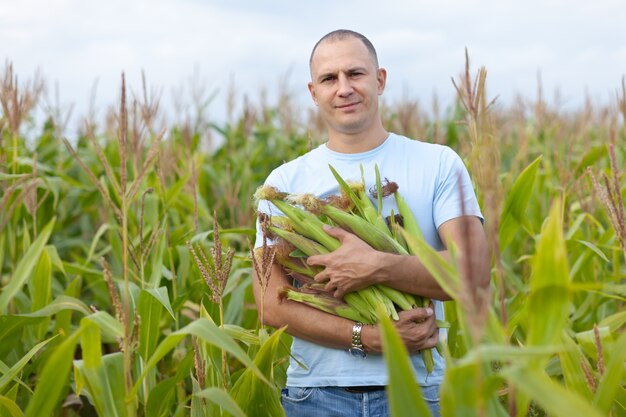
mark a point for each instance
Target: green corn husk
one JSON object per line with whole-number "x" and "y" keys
{"x": 357, "y": 301}
{"x": 399, "y": 298}
{"x": 307, "y": 224}
{"x": 364, "y": 230}
{"x": 325, "y": 303}
{"x": 308, "y": 246}
{"x": 300, "y": 267}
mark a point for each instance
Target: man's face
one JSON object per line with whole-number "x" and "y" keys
{"x": 345, "y": 84}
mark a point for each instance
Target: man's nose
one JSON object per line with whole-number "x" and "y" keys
{"x": 345, "y": 86}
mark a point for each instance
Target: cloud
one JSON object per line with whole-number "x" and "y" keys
{"x": 259, "y": 44}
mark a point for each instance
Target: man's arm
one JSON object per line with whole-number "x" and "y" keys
{"x": 416, "y": 327}
{"x": 356, "y": 265}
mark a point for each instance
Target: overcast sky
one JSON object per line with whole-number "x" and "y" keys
{"x": 577, "y": 46}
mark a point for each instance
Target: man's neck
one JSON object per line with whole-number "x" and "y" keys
{"x": 346, "y": 143}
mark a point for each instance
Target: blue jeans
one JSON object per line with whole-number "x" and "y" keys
{"x": 337, "y": 402}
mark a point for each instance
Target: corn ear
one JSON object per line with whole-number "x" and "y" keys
{"x": 307, "y": 224}
{"x": 409, "y": 222}
{"x": 364, "y": 230}
{"x": 308, "y": 246}
{"x": 325, "y": 303}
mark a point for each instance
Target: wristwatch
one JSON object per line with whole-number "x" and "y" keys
{"x": 357, "y": 346}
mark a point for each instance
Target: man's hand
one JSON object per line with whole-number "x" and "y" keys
{"x": 417, "y": 329}
{"x": 350, "y": 268}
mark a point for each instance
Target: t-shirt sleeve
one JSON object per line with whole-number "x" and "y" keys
{"x": 454, "y": 193}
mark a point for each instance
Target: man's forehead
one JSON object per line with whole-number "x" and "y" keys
{"x": 339, "y": 53}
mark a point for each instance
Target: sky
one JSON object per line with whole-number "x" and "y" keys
{"x": 575, "y": 47}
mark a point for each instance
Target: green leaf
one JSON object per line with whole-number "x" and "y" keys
{"x": 403, "y": 392}
{"x": 614, "y": 322}
{"x": 9, "y": 325}
{"x": 19, "y": 365}
{"x": 593, "y": 154}
{"x": 61, "y": 303}
{"x": 40, "y": 286}
{"x": 10, "y": 406}
{"x": 612, "y": 379}
{"x": 494, "y": 353}
{"x": 549, "y": 292}
{"x": 442, "y": 271}
{"x": 570, "y": 359}
{"x": 108, "y": 324}
{"x": 550, "y": 395}
{"x": 149, "y": 309}
{"x": 594, "y": 249}
{"x": 102, "y": 375}
{"x": 255, "y": 397}
{"x": 25, "y": 267}
{"x": 5, "y": 176}
{"x": 467, "y": 391}
{"x": 94, "y": 242}
{"x": 516, "y": 204}
{"x": 156, "y": 262}
{"x": 161, "y": 295}
{"x": 207, "y": 331}
{"x": 220, "y": 397}
{"x": 54, "y": 379}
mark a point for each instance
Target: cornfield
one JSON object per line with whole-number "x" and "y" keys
{"x": 126, "y": 267}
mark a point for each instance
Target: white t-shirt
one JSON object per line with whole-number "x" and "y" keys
{"x": 432, "y": 179}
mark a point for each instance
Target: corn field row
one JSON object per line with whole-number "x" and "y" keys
{"x": 125, "y": 266}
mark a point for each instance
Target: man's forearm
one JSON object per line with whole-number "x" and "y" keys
{"x": 407, "y": 273}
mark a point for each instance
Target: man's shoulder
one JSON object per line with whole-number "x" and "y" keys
{"x": 418, "y": 148}
{"x": 288, "y": 171}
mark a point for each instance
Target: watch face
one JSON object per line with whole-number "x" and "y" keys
{"x": 357, "y": 351}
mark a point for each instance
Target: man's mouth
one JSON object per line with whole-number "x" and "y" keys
{"x": 347, "y": 106}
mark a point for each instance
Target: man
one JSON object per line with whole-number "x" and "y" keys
{"x": 337, "y": 367}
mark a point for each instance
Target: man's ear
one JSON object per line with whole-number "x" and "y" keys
{"x": 381, "y": 76}
{"x": 312, "y": 91}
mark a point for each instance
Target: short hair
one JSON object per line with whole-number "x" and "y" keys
{"x": 340, "y": 34}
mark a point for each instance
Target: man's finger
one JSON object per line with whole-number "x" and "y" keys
{"x": 336, "y": 232}
{"x": 321, "y": 277}
{"x": 417, "y": 314}
{"x": 316, "y": 260}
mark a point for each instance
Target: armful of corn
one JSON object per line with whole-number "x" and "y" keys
{"x": 300, "y": 234}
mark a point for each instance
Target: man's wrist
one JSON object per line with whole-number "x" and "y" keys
{"x": 370, "y": 338}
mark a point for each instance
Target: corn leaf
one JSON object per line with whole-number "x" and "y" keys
{"x": 11, "y": 373}
{"x": 404, "y": 394}
{"x": 221, "y": 398}
{"x": 10, "y": 406}
{"x": 255, "y": 397}
{"x": 442, "y": 271}
{"x": 161, "y": 397}
{"x": 25, "y": 267}
{"x": 109, "y": 325}
{"x": 208, "y": 332}
{"x": 570, "y": 359}
{"x": 61, "y": 303}
{"x": 550, "y": 395}
{"x": 467, "y": 392}
{"x": 149, "y": 310}
{"x": 549, "y": 292}
{"x": 612, "y": 379}
{"x": 53, "y": 379}
{"x": 103, "y": 376}
{"x": 516, "y": 203}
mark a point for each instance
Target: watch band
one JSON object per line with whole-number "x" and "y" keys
{"x": 357, "y": 345}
